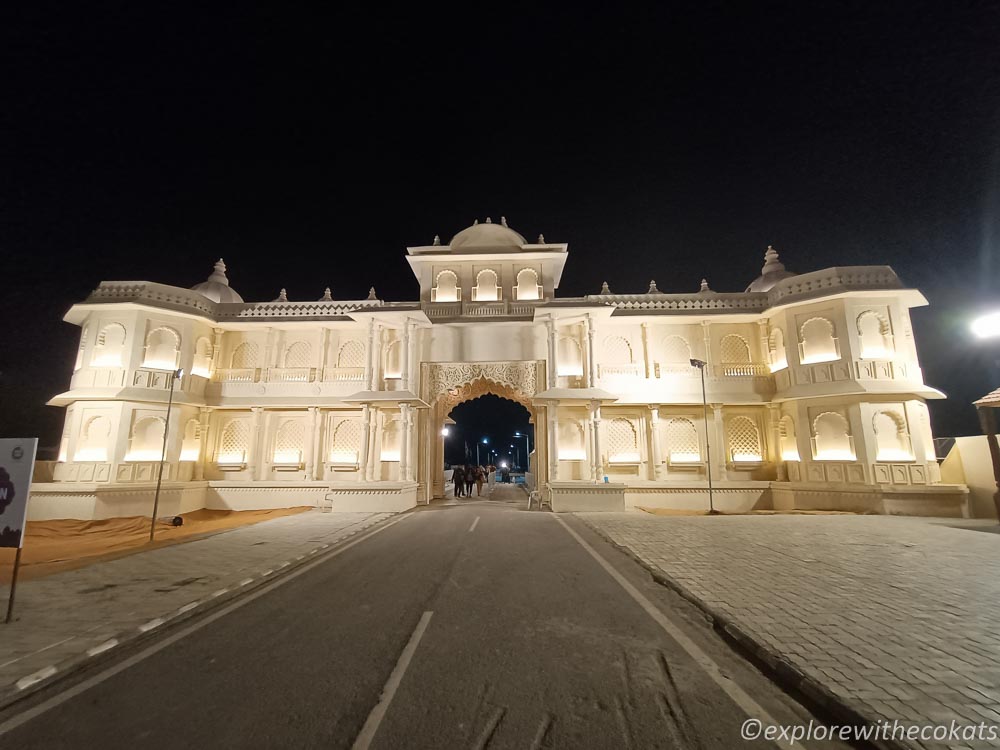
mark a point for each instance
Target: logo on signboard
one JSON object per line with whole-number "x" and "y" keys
{"x": 6, "y": 489}
{"x": 18, "y": 453}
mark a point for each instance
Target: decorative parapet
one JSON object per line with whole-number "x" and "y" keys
{"x": 162, "y": 295}
{"x": 750, "y": 302}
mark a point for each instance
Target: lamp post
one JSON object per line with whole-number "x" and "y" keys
{"x": 484, "y": 441}
{"x": 700, "y": 364}
{"x": 527, "y": 448}
{"x": 174, "y": 375}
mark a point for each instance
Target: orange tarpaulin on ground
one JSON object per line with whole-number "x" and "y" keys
{"x": 53, "y": 546}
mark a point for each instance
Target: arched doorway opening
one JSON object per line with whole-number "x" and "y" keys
{"x": 490, "y": 430}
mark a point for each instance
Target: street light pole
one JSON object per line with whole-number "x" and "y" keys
{"x": 700, "y": 364}
{"x": 163, "y": 452}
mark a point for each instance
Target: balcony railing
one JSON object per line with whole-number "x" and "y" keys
{"x": 741, "y": 370}
{"x": 630, "y": 370}
{"x": 491, "y": 309}
{"x": 235, "y": 375}
{"x": 291, "y": 374}
{"x": 344, "y": 375}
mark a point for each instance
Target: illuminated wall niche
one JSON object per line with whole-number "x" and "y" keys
{"x": 623, "y": 442}
{"x": 569, "y": 362}
{"x": 892, "y": 439}
{"x": 109, "y": 346}
{"x": 832, "y": 439}
{"x": 776, "y": 350}
{"x": 289, "y": 440}
{"x": 875, "y": 335}
{"x": 683, "y": 444}
{"x": 163, "y": 349}
{"x": 817, "y": 342}
{"x": 446, "y": 288}
{"x": 346, "y": 443}
{"x": 786, "y": 435}
{"x": 744, "y": 441}
{"x": 487, "y": 288}
{"x": 94, "y": 438}
{"x": 571, "y": 441}
{"x": 527, "y": 284}
{"x": 146, "y": 441}
{"x": 201, "y": 364}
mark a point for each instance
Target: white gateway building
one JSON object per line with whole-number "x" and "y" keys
{"x": 813, "y": 395}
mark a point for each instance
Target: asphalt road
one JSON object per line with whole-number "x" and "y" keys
{"x": 493, "y": 626}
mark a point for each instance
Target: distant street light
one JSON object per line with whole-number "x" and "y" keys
{"x": 445, "y": 431}
{"x": 174, "y": 375}
{"x": 527, "y": 448}
{"x": 986, "y": 326}
{"x": 700, "y": 364}
{"x": 484, "y": 441}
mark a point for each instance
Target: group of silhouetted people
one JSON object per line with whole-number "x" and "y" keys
{"x": 466, "y": 476}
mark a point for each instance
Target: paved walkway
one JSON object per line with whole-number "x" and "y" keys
{"x": 896, "y": 618}
{"x": 61, "y": 617}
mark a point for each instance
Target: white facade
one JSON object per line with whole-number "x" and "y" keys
{"x": 814, "y": 391}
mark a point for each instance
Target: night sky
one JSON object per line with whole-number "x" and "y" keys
{"x": 666, "y": 144}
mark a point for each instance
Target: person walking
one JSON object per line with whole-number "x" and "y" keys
{"x": 458, "y": 476}
{"x": 479, "y": 476}
{"x": 469, "y": 480}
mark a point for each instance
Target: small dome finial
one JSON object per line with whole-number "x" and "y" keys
{"x": 327, "y": 295}
{"x": 503, "y": 222}
{"x": 282, "y": 296}
{"x": 704, "y": 286}
{"x": 371, "y": 293}
{"x": 604, "y": 288}
{"x": 771, "y": 262}
{"x": 652, "y": 288}
{"x": 475, "y": 222}
{"x": 489, "y": 220}
{"x": 437, "y": 240}
{"x": 541, "y": 239}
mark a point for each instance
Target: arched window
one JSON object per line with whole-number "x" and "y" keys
{"x": 394, "y": 360}
{"x": 527, "y": 284}
{"x": 776, "y": 350}
{"x": 570, "y": 362}
{"x": 617, "y": 351}
{"x": 487, "y": 286}
{"x": 244, "y": 356}
{"x": 446, "y": 288}
{"x": 289, "y": 440}
{"x": 391, "y": 434}
{"x": 683, "y": 445}
{"x": 79, "y": 352}
{"x": 875, "y": 335}
{"x": 233, "y": 442}
{"x": 734, "y": 350}
{"x": 891, "y": 437}
{"x": 109, "y": 347}
{"x": 346, "y": 443}
{"x": 676, "y": 352}
{"x": 817, "y": 342}
{"x": 298, "y": 354}
{"x": 744, "y": 441}
{"x": 832, "y": 439}
{"x": 163, "y": 348}
{"x": 351, "y": 354}
{"x": 202, "y": 363}
{"x": 146, "y": 442}
{"x": 191, "y": 444}
{"x": 623, "y": 442}
{"x": 571, "y": 441}
{"x": 94, "y": 440}
{"x": 786, "y": 434}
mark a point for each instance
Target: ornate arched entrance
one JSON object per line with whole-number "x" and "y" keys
{"x": 445, "y": 385}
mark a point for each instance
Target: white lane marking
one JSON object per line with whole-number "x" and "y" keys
{"x": 187, "y": 607}
{"x": 220, "y": 592}
{"x": 33, "y": 653}
{"x": 97, "y": 679}
{"x": 266, "y": 573}
{"x": 155, "y": 623}
{"x": 100, "y": 649}
{"x": 368, "y": 731}
{"x": 246, "y": 581}
{"x": 474, "y": 523}
{"x": 751, "y": 707}
{"x": 31, "y": 679}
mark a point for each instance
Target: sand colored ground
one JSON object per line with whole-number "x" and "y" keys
{"x": 53, "y": 546}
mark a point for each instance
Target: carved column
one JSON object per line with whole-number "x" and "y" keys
{"x": 268, "y": 355}
{"x": 406, "y": 355}
{"x": 645, "y": 351}
{"x": 373, "y": 448}
{"x": 253, "y": 460}
{"x": 216, "y": 349}
{"x": 365, "y": 430}
{"x": 553, "y": 419}
{"x": 553, "y": 367}
{"x": 708, "y": 344}
{"x": 203, "y": 444}
{"x": 324, "y": 346}
{"x": 371, "y": 354}
{"x": 311, "y": 458}
{"x": 765, "y": 349}
{"x": 988, "y": 422}
{"x": 718, "y": 443}
{"x": 404, "y": 442}
{"x": 654, "y": 423}
{"x": 591, "y": 362}
{"x": 774, "y": 425}
{"x": 595, "y": 418}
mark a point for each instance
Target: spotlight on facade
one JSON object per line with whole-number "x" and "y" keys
{"x": 986, "y": 326}
{"x": 445, "y": 431}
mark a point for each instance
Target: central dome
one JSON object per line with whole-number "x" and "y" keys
{"x": 488, "y": 237}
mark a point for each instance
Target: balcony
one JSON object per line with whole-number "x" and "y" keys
{"x": 291, "y": 374}
{"x": 491, "y": 309}
{"x": 236, "y": 375}
{"x": 629, "y": 370}
{"x": 344, "y": 375}
{"x": 741, "y": 370}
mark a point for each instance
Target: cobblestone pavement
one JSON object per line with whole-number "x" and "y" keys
{"x": 898, "y": 618}
{"x": 64, "y": 615}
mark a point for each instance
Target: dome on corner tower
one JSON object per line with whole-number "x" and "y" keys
{"x": 216, "y": 287}
{"x": 487, "y": 237}
{"x": 772, "y": 272}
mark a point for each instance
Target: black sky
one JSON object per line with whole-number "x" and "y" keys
{"x": 143, "y": 142}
